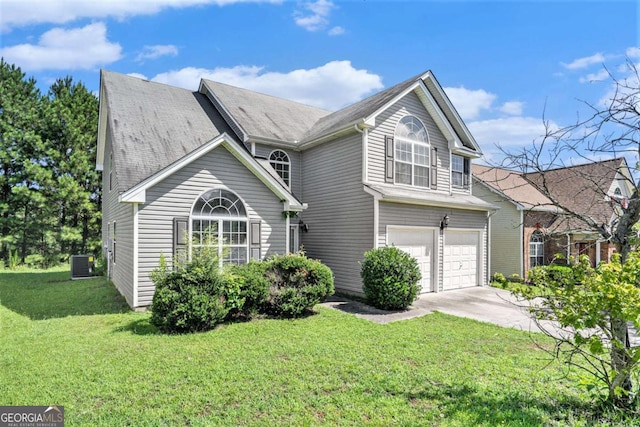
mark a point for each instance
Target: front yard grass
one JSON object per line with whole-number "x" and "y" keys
{"x": 75, "y": 343}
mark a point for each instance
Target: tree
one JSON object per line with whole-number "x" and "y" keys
{"x": 20, "y": 146}
{"x": 612, "y": 128}
{"x": 71, "y": 119}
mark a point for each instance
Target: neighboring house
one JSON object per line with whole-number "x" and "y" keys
{"x": 529, "y": 230}
{"x": 258, "y": 175}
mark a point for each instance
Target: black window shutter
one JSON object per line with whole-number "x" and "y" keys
{"x": 388, "y": 143}
{"x": 434, "y": 168}
{"x": 180, "y": 241}
{"x": 255, "y": 239}
{"x": 467, "y": 173}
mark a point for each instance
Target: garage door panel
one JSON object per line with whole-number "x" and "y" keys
{"x": 419, "y": 244}
{"x": 460, "y": 264}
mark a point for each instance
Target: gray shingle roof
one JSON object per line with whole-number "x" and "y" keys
{"x": 359, "y": 110}
{"x": 266, "y": 116}
{"x": 152, "y": 125}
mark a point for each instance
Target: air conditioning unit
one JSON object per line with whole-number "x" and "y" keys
{"x": 81, "y": 266}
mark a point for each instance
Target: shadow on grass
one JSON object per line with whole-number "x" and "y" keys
{"x": 45, "y": 295}
{"x": 476, "y": 407}
{"x": 139, "y": 327}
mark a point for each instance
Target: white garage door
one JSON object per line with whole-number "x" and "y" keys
{"x": 418, "y": 242}
{"x": 460, "y": 263}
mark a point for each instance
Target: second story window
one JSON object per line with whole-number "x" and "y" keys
{"x": 460, "y": 175}
{"x": 280, "y": 162}
{"x": 411, "y": 153}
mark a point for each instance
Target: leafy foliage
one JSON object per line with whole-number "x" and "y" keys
{"x": 254, "y": 286}
{"x": 583, "y": 308}
{"x": 194, "y": 298}
{"x": 390, "y": 278}
{"x": 49, "y": 189}
{"x": 296, "y": 284}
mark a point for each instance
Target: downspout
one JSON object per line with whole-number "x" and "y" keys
{"x": 488, "y": 237}
{"x": 365, "y": 152}
{"x": 598, "y": 258}
{"x": 568, "y": 247}
{"x": 522, "y": 243}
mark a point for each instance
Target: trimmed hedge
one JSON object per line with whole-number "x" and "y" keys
{"x": 296, "y": 284}
{"x": 390, "y": 278}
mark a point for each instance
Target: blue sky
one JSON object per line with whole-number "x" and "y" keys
{"x": 503, "y": 63}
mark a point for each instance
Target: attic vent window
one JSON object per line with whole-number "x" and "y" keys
{"x": 279, "y": 161}
{"x": 411, "y": 152}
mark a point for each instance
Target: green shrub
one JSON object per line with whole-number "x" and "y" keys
{"x": 194, "y": 298}
{"x": 390, "y": 278}
{"x": 296, "y": 284}
{"x": 499, "y": 280}
{"x": 254, "y": 286}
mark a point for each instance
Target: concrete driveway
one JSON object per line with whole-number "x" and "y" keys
{"x": 486, "y": 304}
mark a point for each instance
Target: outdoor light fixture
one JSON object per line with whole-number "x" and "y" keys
{"x": 445, "y": 222}
{"x": 304, "y": 227}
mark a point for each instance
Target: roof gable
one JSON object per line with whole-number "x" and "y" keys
{"x": 261, "y": 116}
{"x": 151, "y": 125}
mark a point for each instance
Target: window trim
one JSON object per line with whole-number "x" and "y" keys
{"x": 398, "y": 139}
{"x": 538, "y": 243}
{"x": 287, "y": 163}
{"x": 466, "y": 175}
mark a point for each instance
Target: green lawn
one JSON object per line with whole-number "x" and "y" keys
{"x": 75, "y": 343}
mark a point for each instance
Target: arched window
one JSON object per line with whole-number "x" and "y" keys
{"x": 219, "y": 220}
{"x": 280, "y": 162}
{"x": 411, "y": 152}
{"x": 536, "y": 249}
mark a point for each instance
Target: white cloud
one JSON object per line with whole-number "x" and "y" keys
{"x": 595, "y": 77}
{"x": 336, "y": 31}
{"x": 510, "y": 133}
{"x": 154, "y": 52}
{"x": 329, "y": 86}
{"x": 315, "y": 15}
{"x": 469, "y": 103}
{"x": 138, "y": 75}
{"x": 633, "y": 52}
{"x": 17, "y": 13}
{"x": 513, "y": 108}
{"x": 580, "y": 63}
{"x": 60, "y": 49}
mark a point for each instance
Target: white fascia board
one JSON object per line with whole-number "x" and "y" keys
{"x": 272, "y": 142}
{"x": 454, "y": 205}
{"x": 441, "y": 120}
{"x": 102, "y": 128}
{"x": 206, "y": 90}
{"x": 453, "y": 110}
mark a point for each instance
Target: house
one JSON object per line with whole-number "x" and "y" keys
{"x": 255, "y": 175}
{"x": 530, "y": 230}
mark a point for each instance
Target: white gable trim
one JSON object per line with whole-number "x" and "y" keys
{"x": 137, "y": 194}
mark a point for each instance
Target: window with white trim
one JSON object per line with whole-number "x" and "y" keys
{"x": 279, "y": 161}
{"x": 219, "y": 222}
{"x": 536, "y": 249}
{"x": 460, "y": 171}
{"x": 411, "y": 153}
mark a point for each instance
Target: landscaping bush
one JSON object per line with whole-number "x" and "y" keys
{"x": 254, "y": 286}
{"x": 194, "y": 298}
{"x": 296, "y": 284}
{"x": 390, "y": 278}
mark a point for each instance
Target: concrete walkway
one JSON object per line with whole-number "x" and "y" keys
{"x": 486, "y": 304}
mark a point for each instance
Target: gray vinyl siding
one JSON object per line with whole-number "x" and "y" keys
{"x": 386, "y": 125}
{"x": 428, "y": 216}
{"x": 506, "y": 233}
{"x": 296, "y": 166}
{"x": 174, "y": 197}
{"x": 340, "y": 213}
{"x": 122, "y": 214}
